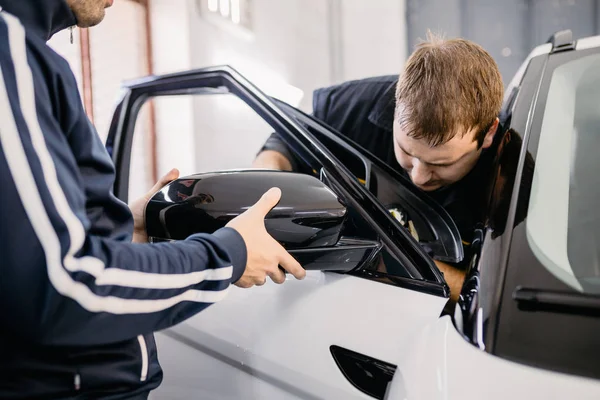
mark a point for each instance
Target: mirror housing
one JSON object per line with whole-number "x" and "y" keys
{"x": 307, "y": 221}
{"x": 308, "y": 215}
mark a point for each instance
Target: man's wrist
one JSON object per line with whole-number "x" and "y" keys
{"x": 454, "y": 277}
{"x": 236, "y": 248}
{"x": 139, "y": 237}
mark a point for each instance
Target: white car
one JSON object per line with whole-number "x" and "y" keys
{"x": 527, "y": 323}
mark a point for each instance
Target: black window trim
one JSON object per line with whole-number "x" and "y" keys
{"x": 499, "y": 292}
{"x": 468, "y": 316}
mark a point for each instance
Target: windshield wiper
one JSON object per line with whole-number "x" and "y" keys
{"x": 557, "y": 301}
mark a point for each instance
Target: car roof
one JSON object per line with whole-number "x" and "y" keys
{"x": 588, "y": 43}
{"x": 545, "y": 49}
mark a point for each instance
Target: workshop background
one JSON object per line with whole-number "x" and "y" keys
{"x": 287, "y": 48}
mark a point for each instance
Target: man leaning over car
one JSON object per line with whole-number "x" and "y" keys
{"x": 435, "y": 124}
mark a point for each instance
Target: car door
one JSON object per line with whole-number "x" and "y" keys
{"x": 330, "y": 335}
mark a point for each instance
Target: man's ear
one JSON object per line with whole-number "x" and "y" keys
{"x": 489, "y": 136}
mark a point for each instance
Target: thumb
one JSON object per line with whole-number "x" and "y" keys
{"x": 168, "y": 177}
{"x": 267, "y": 201}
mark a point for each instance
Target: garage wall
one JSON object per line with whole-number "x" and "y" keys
{"x": 508, "y": 29}
{"x": 171, "y": 48}
{"x": 291, "y": 48}
{"x": 288, "y": 42}
{"x": 306, "y": 43}
{"x": 285, "y": 53}
{"x": 373, "y": 37}
{"x": 117, "y": 54}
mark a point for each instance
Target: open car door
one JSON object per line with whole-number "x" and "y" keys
{"x": 333, "y": 335}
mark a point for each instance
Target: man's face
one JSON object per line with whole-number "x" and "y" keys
{"x": 431, "y": 168}
{"x": 89, "y": 12}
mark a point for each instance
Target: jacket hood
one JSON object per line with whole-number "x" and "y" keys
{"x": 41, "y": 17}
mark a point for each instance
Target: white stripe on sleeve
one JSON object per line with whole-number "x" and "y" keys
{"x": 32, "y": 202}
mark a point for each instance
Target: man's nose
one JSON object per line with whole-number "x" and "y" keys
{"x": 420, "y": 174}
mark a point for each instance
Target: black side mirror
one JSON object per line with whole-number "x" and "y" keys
{"x": 308, "y": 220}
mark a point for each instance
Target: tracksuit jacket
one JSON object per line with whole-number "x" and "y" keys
{"x": 78, "y": 301}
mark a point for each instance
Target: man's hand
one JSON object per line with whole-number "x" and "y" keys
{"x": 454, "y": 278}
{"x": 137, "y": 207}
{"x": 272, "y": 159}
{"x": 265, "y": 255}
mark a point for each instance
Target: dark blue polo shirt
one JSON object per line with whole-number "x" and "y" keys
{"x": 363, "y": 110}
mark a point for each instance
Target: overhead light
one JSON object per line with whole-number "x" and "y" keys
{"x": 213, "y": 5}
{"x": 235, "y": 11}
{"x": 224, "y": 7}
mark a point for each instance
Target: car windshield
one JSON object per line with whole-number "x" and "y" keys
{"x": 563, "y": 226}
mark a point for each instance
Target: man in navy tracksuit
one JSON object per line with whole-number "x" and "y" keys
{"x": 78, "y": 300}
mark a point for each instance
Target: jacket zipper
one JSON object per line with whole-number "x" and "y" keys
{"x": 144, "y": 351}
{"x": 77, "y": 381}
